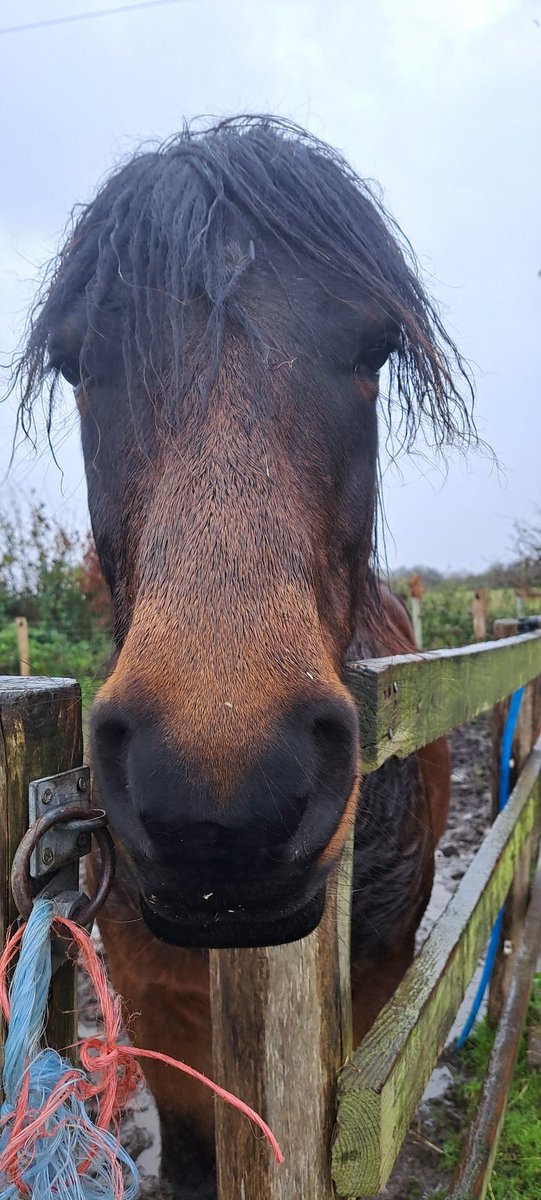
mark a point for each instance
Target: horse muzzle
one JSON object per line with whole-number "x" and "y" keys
{"x": 245, "y": 869}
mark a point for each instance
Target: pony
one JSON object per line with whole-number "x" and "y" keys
{"x": 222, "y": 309}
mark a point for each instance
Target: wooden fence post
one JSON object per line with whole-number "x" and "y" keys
{"x": 479, "y": 616}
{"x": 281, "y": 1024}
{"x": 40, "y": 735}
{"x": 21, "y": 625}
{"x": 417, "y": 590}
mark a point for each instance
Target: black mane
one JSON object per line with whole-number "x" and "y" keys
{"x": 268, "y": 180}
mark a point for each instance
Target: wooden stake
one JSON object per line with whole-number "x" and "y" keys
{"x": 281, "y": 1029}
{"x": 417, "y": 590}
{"x": 21, "y": 625}
{"x": 40, "y": 734}
{"x": 479, "y": 616}
{"x": 417, "y": 620}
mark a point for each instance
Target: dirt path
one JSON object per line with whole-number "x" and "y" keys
{"x": 418, "y": 1172}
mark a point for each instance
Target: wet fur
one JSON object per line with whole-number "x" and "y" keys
{"x": 220, "y": 302}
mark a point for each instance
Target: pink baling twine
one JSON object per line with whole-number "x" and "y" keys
{"x": 110, "y": 1073}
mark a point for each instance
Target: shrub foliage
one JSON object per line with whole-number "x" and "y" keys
{"x": 50, "y": 575}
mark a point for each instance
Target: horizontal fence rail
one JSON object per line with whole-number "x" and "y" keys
{"x": 380, "y": 1087}
{"x": 409, "y": 700}
{"x": 481, "y": 1142}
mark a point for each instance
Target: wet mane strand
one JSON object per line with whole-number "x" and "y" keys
{"x": 266, "y": 179}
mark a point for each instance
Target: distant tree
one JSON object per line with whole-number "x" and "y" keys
{"x": 527, "y": 546}
{"x": 430, "y": 576}
{"x": 41, "y": 561}
{"x": 50, "y": 574}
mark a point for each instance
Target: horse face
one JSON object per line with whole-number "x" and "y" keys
{"x": 236, "y": 543}
{"x": 223, "y": 308}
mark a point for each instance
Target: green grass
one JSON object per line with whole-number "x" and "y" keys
{"x": 517, "y": 1168}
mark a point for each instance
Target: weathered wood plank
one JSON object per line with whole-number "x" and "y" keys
{"x": 277, "y": 1017}
{"x": 481, "y": 1141}
{"x": 409, "y": 700}
{"x": 380, "y": 1087}
{"x": 40, "y": 734}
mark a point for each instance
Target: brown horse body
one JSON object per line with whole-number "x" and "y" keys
{"x": 222, "y": 309}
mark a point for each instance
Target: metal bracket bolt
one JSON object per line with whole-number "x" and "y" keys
{"x": 62, "y": 844}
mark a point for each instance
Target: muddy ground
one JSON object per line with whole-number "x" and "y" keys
{"x": 418, "y": 1172}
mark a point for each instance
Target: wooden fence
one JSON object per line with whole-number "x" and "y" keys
{"x": 282, "y": 1015}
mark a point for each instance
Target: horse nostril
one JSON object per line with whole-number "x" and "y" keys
{"x": 327, "y": 733}
{"x": 291, "y": 812}
{"x": 334, "y": 733}
{"x": 111, "y": 738}
{"x": 333, "y": 737}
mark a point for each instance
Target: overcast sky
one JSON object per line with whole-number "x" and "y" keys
{"x": 439, "y": 102}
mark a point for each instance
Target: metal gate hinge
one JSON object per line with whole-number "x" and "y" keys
{"x": 62, "y": 844}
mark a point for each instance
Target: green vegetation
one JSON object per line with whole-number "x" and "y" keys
{"x": 52, "y": 652}
{"x": 446, "y": 611}
{"x": 446, "y": 605}
{"x": 517, "y": 1168}
{"x": 50, "y": 575}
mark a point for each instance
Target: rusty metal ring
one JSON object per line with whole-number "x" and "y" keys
{"x": 21, "y": 885}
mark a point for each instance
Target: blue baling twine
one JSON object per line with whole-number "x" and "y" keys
{"x": 503, "y": 796}
{"x": 71, "y": 1139}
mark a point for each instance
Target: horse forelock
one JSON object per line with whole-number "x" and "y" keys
{"x": 184, "y": 224}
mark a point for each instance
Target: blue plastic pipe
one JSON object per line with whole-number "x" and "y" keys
{"x": 503, "y": 796}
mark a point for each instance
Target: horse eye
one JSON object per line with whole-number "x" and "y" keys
{"x": 374, "y": 356}
{"x": 68, "y": 366}
{"x": 70, "y": 370}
